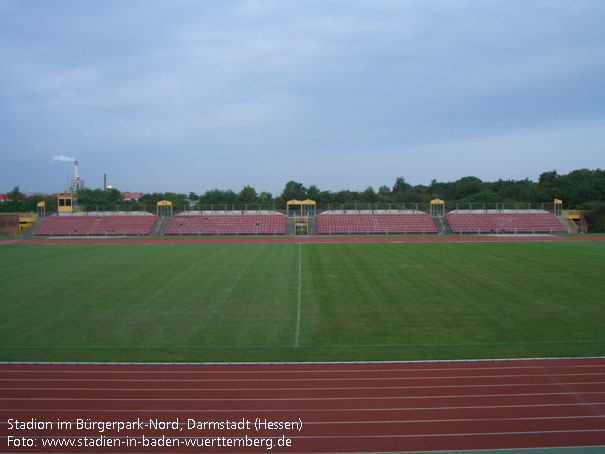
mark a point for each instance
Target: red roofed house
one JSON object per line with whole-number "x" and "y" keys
{"x": 3, "y": 197}
{"x": 132, "y": 195}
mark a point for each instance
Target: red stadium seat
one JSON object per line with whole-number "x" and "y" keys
{"x": 504, "y": 223}
{"x": 96, "y": 225}
{"x": 227, "y": 224}
{"x": 375, "y": 223}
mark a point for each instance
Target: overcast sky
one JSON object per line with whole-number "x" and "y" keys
{"x": 193, "y": 95}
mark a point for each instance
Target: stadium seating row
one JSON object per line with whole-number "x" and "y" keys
{"x": 93, "y": 225}
{"x": 242, "y": 224}
{"x": 375, "y": 223}
{"x": 504, "y": 223}
{"x": 327, "y": 223}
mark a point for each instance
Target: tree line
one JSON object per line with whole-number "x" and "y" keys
{"x": 578, "y": 189}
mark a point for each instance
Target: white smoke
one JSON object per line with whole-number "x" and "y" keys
{"x": 63, "y": 158}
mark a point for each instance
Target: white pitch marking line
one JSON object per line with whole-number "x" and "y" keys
{"x": 289, "y": 371}
{"x": 297, "y": 334}
{"x": 294, "y": 363}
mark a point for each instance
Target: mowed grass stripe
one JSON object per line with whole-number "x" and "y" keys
{"x": 299, "y": 301}
{"x": 155, "y": 295}
{"x": 361, "y": 301}
{"x": 457, "y": 294}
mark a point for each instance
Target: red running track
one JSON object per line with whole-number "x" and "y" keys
{"x": 370, "y": 407}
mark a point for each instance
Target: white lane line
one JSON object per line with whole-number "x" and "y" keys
{"x": 298, "y": 410}
{"x": 2, "y": 243}
{"x": 348, "y": 388}
{"x": 472, "y": 434}
{"x": 261, "y": 380}
{"x": 324, "y": 437}
{"x": 290, "y": 399}
{"x": 430, "y": 421}
{"x": 290, "y": 371}
{"x": 297, "y": 334}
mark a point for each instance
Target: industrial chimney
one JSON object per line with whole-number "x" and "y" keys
{"x": 76, "y": 184}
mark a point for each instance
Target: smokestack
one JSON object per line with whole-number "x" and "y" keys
{"x": 104, "y": 182}
{"x": 76, "y": 170}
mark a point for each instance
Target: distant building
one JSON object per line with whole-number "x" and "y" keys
{"x": 9, "y": 224}
{"x": 134, "y": 196}
{"x": 3, "y": 197}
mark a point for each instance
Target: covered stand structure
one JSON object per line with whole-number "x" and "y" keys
{"x": 41, "y": 207}
{"x": 164, "y": 209}
{"x": 437, "y": 207}
{"x": 301, "y": 210}
{"x": 301, "y": 207}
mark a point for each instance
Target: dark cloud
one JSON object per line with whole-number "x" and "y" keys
{"x": 192, "y": 95}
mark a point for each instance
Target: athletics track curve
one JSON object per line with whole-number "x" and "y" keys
{"x": 348, "y": 407}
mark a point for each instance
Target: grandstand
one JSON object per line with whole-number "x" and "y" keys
{"x": 274, "y": 223}
{"x": 227, "y": 223}
{"x": 97, "y": 223}
{"x": 77, "y": 221}
{"x": 374, "y": 222}
{"x": 503, "y": 221}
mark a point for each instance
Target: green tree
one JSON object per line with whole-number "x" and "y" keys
{"x": 344, "y": 196}
{"x": 548, "y": 178}
{"x": 581, "y": 186}
{"x": 248, "y": 195}
{"x": 520, "y": 191}
{"x": 294, "y": 190}
{"x": 482, "y": 197}
{"x": 218, "y": 197}
{"x": 179, "y": 201}
{"x": 99, "y": 197}
{"x": 15, "y": 195}
{"x": 466, "y": 186}
{"x": 596, "y": 216}
{"x": 313, "y": 193}
{"x": 384, "y": 194}
{"x": 369, "y": 195}
{"x": 400, "y": 186}
{"x": 326, "y": 197}
{"x": 265, "y": 198}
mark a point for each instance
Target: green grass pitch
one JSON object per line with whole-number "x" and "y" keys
{"x": 310, "y": 302}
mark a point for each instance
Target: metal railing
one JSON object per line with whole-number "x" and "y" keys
{"x": 137, "y": 209}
